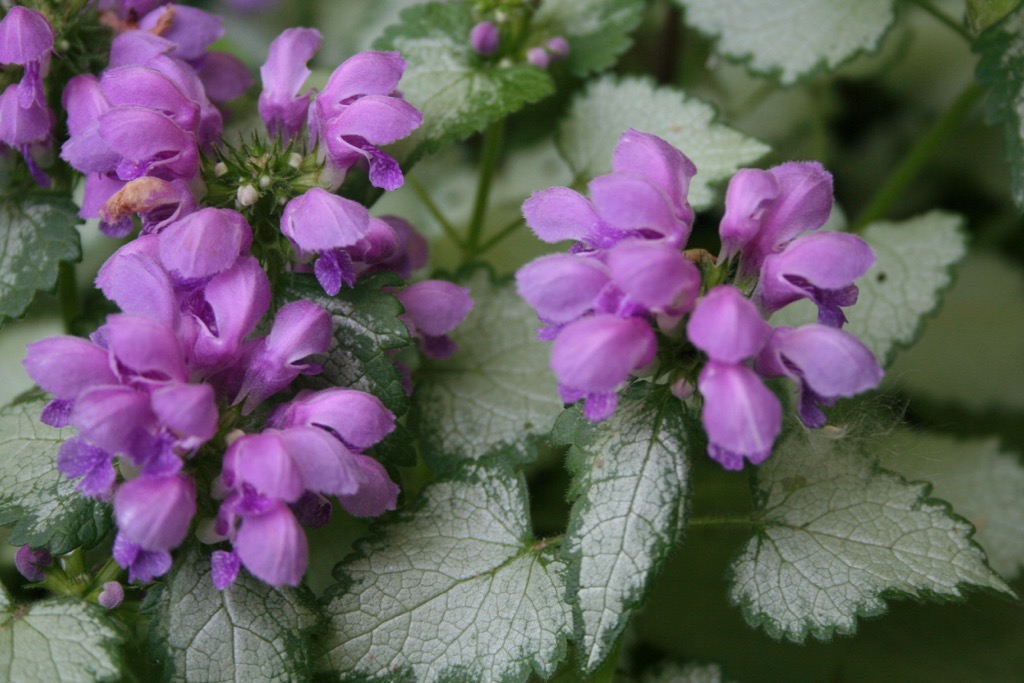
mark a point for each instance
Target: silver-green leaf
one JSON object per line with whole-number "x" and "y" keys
{"x": 455, "y": 590}
{"x": 838, "y": 534}
{"x": 248, "y": 632}
{"x": 37, "y": 232}
{"x": 41, "y": 503}
{"x": 497, "y": 392}
{"x": 608, "y": 107}
{"x": 791, "y": 38}
{"x": 1001, "y": 67}
{"x": 630, "y": 476}
{"x": 458, "y": 93}
{"x": 58, "y": 639}
{"x": 983, "y": 483}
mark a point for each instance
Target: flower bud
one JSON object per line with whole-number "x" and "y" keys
{"x": 484, "y": 38}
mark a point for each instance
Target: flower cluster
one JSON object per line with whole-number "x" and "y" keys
{"x": 626, "y": 291}
{"x": 151, "y": 385}
{"x": 26, "y": 122}
{"x": 356, "y": 112}
{"x": 152, "y": 111}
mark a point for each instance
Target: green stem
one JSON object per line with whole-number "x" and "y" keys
{"x": 949, "y": 21}
{"x": 488, "y": 162}
{"x": 67, "y": 294}
{"x": 914, "y": 161}
{"x": 721, "y": 521}
{"x": 501, "y": 235}
{"x": 435, "y": 211}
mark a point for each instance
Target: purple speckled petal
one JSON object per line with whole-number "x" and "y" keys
{"x": 237, "y": 299}
{"x": 741, "y": 416}
{"x": 333, "y": 269}
{"x": 224, "y": 568}
{"x": 313, "y": 510}
{"x": 146, "y": 348}
{"x": 597, "y": 354}
{"x": 727, "y": 326}
{"x": 273, "y": 547}
{"x": 149, "y": 143}
{"x": 79, "y": 458}
{"x": 561, "y": 287}
{"x": 155, "y": 512}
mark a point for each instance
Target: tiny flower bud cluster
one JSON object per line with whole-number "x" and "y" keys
{"x": 625, "y": 291}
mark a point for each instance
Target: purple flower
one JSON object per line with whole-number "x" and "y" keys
{"x": 78, "y": 458}
{"x": 654, "y": 275}
{"x": 484, "y": 38}
{"x": 155, "y": 512}
{"x": 157, "y": 202}
{"x": 358, "y": 111}
{"x": 30, "y": 563}
{"x": 143, "y": 565}
{"x": 273, "y": 547}
{"x": 319, "y": 222}
{"x": 827, "y": 364}
{"x": 818, "y": 266}
{"x": 558, "y": 47}
{"x": 741, "y": 416}
{"x": 301, "y": 329}
{"x": 433, "y": 308}
{"x": 764, "y": 210}
{"x": 644, "y": 197}
{"x": 204, "y": 243}
{"x": 593, "y": 356}
{"x": 282, "y": 109}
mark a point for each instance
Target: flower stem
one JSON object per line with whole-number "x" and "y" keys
{"x": 721, "y": 521}
{"x": 501, "y": 235}
{"x": 488, "y": 161}
{"x": 949, "y": 21}
{"x": 915, "y": 159}
{"x": 435, "y": 211}
{"x": 67, "y": 294}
